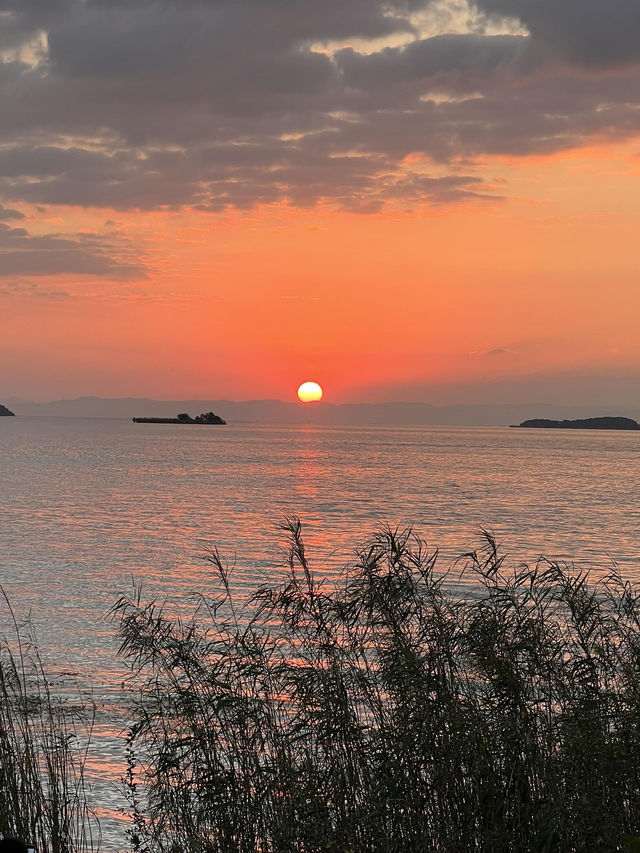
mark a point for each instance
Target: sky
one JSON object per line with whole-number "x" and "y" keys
{"x": 402, "y": 200}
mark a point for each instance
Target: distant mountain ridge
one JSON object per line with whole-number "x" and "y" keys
{"x": 280, "y": 411}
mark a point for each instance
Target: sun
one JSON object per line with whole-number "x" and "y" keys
{"x": 309, "y": 392}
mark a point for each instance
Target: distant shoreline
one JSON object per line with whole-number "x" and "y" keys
{"x": 271, "y": 411}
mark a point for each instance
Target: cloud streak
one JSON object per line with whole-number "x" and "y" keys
{"x": 23, "y": 254}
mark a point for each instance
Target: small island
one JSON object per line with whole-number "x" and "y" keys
{"x": 581, "y": 423}
{"x": 6, "y": 413}
{"x": 183, "y": 418}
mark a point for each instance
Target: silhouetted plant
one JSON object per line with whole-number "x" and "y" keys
{"x": 389, "y": 712}
{"x": 43, "y": 748}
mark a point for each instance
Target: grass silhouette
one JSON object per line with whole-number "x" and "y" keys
{"x": 388, "y": 712}
{"x": 43, "y": 748}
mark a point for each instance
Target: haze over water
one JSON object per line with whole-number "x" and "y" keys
{"x": 92, "y": 506}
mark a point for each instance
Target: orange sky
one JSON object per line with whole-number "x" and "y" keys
{"x": 247, "y": 305}
{"x": 425, "y": 204}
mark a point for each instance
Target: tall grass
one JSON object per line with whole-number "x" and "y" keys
{"x": 43, "y": 745}
{"x": 389, "y": 712}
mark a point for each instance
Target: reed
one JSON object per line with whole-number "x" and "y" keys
{"x": 43, "y": 745}
{"x": 389, "y": 712}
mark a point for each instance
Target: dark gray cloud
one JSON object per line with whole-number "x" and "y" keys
{"x": 215, "y": 103}
{"x": 469, "y": 57}
{"x": 22, "y": 253}
{"x": 7, "y": 213}
{"x": 591, "y": 32}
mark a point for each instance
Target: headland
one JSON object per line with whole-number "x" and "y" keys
{"x": 582, "y": 423}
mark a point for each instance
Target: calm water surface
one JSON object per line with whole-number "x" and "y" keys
{"x": 91, "y": 506}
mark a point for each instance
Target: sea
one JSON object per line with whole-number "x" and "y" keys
{"x": 93, "y": 509}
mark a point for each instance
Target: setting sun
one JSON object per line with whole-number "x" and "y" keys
{"x": 309, "y": 392}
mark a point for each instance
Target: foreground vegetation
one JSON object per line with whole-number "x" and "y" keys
{"x": 43, "y": 745}
{"x": 389, "y": 712}
{"x": 395, "y": 711}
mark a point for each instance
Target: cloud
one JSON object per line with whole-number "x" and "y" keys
{"x": 7, "y": 213}
{"x": 591, "y": 32}
{"x": 216, "y": 103}
{"x": 466, "y": 56}
{"x": 496, "y": 352}
{"x": 23, "y": 254}
{"x": 32, "y": 290}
